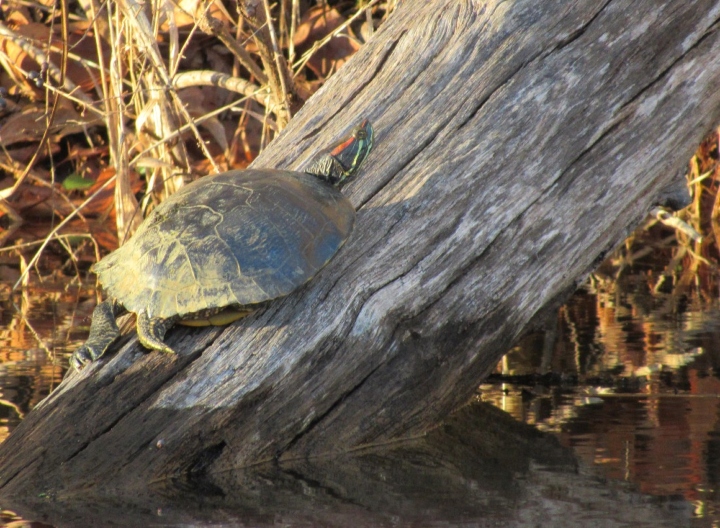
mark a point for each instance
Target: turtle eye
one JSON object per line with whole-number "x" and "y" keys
{"x": 360, "y": 134}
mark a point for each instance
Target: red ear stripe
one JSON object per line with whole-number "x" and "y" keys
{"x": 342, "y": 146}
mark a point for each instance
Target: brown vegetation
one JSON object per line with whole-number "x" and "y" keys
{"x": 105, "y": 108}
{"x": 474, "y": 221}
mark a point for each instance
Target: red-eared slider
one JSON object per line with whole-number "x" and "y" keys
{"x": 221, "y": 246}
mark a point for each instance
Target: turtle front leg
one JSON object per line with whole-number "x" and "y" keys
{"x": 151, "y": 331}
{"x": 103, "y": 331}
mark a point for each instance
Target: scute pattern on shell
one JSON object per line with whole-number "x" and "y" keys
{"x": 234, "y": 239}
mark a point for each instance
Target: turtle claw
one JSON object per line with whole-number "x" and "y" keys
{"x": 82, "y": 357}
{"x": 151, "y": 331}
{"x": 103, "y": 331}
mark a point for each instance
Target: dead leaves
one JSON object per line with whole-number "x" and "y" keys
{"x": 159, "y": 96}
{"x": 29, "y": 124}
{"x": 316, "y": 25}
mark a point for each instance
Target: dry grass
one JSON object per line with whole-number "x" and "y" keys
{"x": 151, "y": 95}
{"x": 108, "y": 107}
{"x": 687, "y": 241}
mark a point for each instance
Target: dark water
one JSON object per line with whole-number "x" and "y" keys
{"x": 39, "y": 327}
{"x": 629, "y": 380}
{"x": 613, "y": 419}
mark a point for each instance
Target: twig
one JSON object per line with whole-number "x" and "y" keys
{"x": 59, "y": 76}
{"x": 198, "y": 121}
{"x": 319, "y": 44}
{"x": 293, "y": 27}
{"x": 234, "y": 84}
{"x": 15, "y": 221}
{"x": 279, "y": 76}
{"x": 57, "y": 228}
{"x": 34, "y": 243}
{"x": 40, "y": 58}
{"x": 39, "y": 180}
{"x": 369, "y": 22}
{"x": 146, "y": 42}
{"x": 667, "y": 218}
{"x": 280, "y": 63}
{"x": 212, "y": 78}
{"x": 212, "y": 26}
{"x": 167, "y": 8}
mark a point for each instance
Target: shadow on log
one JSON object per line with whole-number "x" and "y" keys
{"x": 517, "y": 142}
{"x": 482, "y": 468}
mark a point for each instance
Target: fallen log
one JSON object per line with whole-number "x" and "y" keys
{"x": 517, "y": 142}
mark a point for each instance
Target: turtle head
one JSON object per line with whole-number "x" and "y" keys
{"x": 342, "y": 161}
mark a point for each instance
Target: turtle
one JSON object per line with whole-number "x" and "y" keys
{"x": 225, "y": 245}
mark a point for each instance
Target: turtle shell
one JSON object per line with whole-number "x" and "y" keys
{"x": 233, "y": 239}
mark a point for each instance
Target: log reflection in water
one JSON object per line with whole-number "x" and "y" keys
{"x": 482, "y": 468}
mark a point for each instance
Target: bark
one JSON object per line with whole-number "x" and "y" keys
{"x": 517, "y": 142}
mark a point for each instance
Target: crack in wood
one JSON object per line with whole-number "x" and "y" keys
{"x": 315, "y": 421}
{"x": 626, "y": 109}
{"x": 488, "y": 288}
{"x": 22, "y": 469}
{"x": 190, "y": 359}
{"x": 579, "y": 31}
{"x": 441, "y": 235}
{"x": 540, "y": 55}
{"x": 341, "y": 277}
{"x": 315, "y": 131}
{"x": 410, "y": 159}
{"x": 204, "y": 459}
{"x": 665, "y": 72}
{"x": 558, "y": 182}
{"x": 464, "y": 270}
{"x": 378, "y": 68}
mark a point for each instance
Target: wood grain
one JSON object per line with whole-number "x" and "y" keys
{"x": 517, "y": 142}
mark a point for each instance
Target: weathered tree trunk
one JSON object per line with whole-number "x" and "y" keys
{"x": 516, "y": 143}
